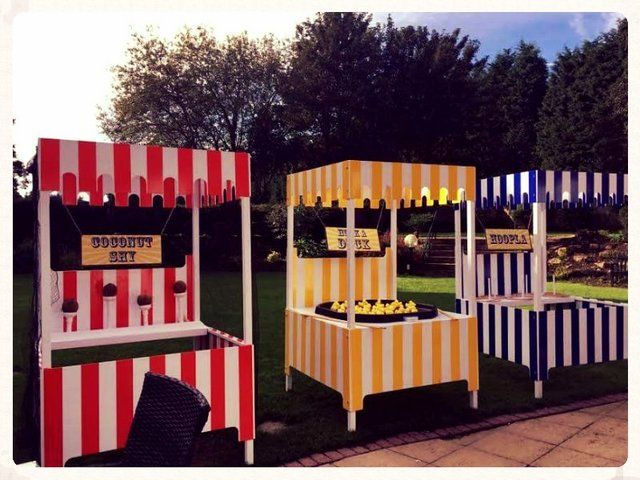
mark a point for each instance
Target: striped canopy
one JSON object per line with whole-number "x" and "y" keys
{"x": 70, "y": 167}
{"x": 359, "y": 180}
{"x": 555, "y": 188}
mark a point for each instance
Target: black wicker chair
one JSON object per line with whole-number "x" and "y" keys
{"x": 168, "y": 418}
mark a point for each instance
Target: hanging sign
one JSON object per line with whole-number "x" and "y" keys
{"x": 115, "y": 250}
{"x": 508, "y": 239}
{"x": 367, "y": 239}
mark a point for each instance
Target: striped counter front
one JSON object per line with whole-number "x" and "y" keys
{"x": 373, "y": 359}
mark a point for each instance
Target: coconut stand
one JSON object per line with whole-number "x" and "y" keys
{"x": 519, "y": 318}
{"x": 88, "y": 408}
{"x": 360, "y": 359}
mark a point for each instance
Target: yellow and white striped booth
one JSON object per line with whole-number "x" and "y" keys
{"x": 359, "y": 359}
{"x": 363, "y": 179}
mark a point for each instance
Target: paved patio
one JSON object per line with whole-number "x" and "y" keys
{"x": 594, "y": 437}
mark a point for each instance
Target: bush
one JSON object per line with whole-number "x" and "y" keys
{"x": 623, "y": 215}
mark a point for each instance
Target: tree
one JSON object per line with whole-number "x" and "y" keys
{"x": 335, "y": 59}
{"x": 511, "y": 89}
{"x": 583, "y": 120}
{"x": 193, "y": 91}
{"x": 427, "y": 89}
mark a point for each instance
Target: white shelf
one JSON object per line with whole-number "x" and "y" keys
{"x": 114, "y": 336}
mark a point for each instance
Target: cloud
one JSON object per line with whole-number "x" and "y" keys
{"x": 577, "y": 24}
{"x": 610, "y": 20}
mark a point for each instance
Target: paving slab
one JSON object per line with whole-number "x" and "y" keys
{"x": 380, "y": 458}
{"x": 601, "y": 409}
{"x": 607, "y": 425}
{"x": 548, "y": 432}
{"x": 621, "y": 412}
{"x": 428, "y": 451}
{"x": 577, "y": 419}
{"x": 565, "y": 457}
{"x": 471, "y": 438}
{"x": 593, "y": 443}
{"x": 472, "y": 457}
{"x": 515, "y": 447}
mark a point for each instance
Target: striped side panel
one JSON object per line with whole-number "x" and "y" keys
{"x": 317, "y": 280}
{"x": 89, "y": 408}
{"x": 508, "y": 333}
{"x": 502, "y": 273}
{"x": 581, "y": 336}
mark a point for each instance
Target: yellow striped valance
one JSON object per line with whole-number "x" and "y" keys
{"x": 360, "y": 179}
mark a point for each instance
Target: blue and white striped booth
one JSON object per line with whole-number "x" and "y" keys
{"x": 582, "y": 332}
{"x": 592, "y": 332}
{"x": 555, "y": 188}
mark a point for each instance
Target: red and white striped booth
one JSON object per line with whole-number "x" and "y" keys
{"x": 88, "y": 408}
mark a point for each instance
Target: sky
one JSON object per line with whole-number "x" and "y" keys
{"x": 61, "y": 61}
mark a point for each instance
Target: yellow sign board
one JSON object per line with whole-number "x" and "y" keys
{"x": 122, "y": 250}
{"x": 367, "y": 239}
{"x": 508, "y": 239}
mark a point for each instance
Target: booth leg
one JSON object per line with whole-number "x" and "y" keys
{"x": 351, "y": 421}
{"x": 537, "y": 388}
{"x": 473, "y": 399}
{"x": 288, "y": 383}
{"x": 248, "y": 452}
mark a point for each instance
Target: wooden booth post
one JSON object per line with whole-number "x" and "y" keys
{"x": 247, "y": 302}
{"x": 289, "y": 286}
{"x": 471, "y": 273}
{"x": 351, "y": 295}
{"x": 539, "y": 267}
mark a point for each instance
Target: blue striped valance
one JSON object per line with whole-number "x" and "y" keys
{"x": 555, "y": 188}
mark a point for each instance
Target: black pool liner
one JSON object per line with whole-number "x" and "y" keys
{"x": 425, "y": 311}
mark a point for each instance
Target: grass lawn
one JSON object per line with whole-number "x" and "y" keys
{"x": 312, "y": 413}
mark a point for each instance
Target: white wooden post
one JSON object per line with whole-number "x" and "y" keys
{"x": 247, "y": 305}
{"x": 537, "y": 388}
{"x": 539, "y": 240}
{"x": 351, "y": 298}
{"x": 393, "y": 240}
{"x": 289, "y": 287}
{"x": 473, "y": 399}
{"x": 351, "y": 421}
{"x": 351, "y": 264}
{"x": 44, "y": 303}
{"x": 470, "y": 272}
{"x": 248, "y": 452}
{"x": 288, "y": 379}
{"x": 195, "y": 249}
{"x": 458, "y": 250}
